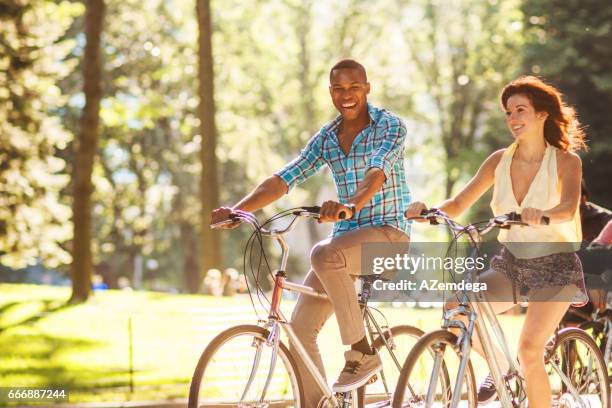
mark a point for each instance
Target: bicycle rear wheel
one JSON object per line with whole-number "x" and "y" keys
{"x": 233, "y": 371}
{"x": 575, "y": 362}
{"x": 434, "y": 349}
{"x": 393, "y": 350}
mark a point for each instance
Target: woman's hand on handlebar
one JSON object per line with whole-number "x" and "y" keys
{"x": 222, "y": 214}
{"x": 331, "y": 212}
{"x": 414, "y": 211}
{"x": 532, "y": 216}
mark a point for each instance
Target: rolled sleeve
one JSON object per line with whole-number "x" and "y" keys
{"x": 391, "y": 147}
{"x": 305, "y": 165}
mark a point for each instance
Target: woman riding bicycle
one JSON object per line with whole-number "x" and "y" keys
{"x": 537, "y": 176}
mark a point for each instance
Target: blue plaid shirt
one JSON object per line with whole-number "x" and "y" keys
{"x": 380, "y": 145}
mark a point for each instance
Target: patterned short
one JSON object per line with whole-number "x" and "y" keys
{"x": 556, "y": 270}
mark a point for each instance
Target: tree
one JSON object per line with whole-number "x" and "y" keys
{"x": 85, "y": 147}
{"x": 33, "y": 57}
{"x": 463, "y": 55}
{"x": 209, "y": 185}
{"x": 569, "y": 43}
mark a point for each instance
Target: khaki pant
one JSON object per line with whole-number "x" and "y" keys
{"x": 333, "y": 261}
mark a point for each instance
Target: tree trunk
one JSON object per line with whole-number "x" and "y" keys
{"x": 85, "y": 146}
{"x": 190, "y": 262}
{"x": 209, "y": 188}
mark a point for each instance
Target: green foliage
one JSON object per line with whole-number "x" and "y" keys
{"x": 33, "y": 220}
{"x": 455, "y": 56}
{"x": 570, "y": 44}
{"x": 440, "y": 65}
{"x": 271, "y": 95}
{"x": 461, "y": 55}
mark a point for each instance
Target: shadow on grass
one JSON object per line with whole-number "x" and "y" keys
{"x": 50, "y": 366}
{"x": 49, "y": 306}
{"x": 7, "y": 306}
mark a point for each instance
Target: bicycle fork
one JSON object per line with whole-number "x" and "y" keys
{"x": 273, "y": 341}
{"x": 435, "y": 372}
{"x": 258, "y": 344}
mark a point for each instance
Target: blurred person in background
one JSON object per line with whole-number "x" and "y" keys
{"x": 213, "y": 283}
{"x": 593, "y": 217}
{"x": 596, "y": 259}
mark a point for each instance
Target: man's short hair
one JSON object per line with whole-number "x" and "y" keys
{"x": 348, "y": 64}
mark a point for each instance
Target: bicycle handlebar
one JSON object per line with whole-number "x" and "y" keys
{"x": 504, "y": 221}
{"x": 316, "y": 210}
{"x": 433, "y": 215}
{"x": 232, "y": 218}
{"x": 305, "y": 211}
{"x": 514, "y": 218}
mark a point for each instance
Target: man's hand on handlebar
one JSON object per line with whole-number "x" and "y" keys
{"x": 415, "y": 211}
{"x": 223, "y": 214}
{"x": 331, "y": 211}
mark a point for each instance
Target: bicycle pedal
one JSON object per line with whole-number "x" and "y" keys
{"x": 372, "y": 379}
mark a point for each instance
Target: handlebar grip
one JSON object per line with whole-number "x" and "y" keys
{"x": 315, "y": 209}
{"x": 343, "y": 214}
{"x": 517, "y": 217}
{"x": 513, "y": 216}
{"x": 231, "y": 219}
{"x": 428, "y": 211}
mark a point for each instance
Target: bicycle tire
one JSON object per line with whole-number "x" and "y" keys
{"x": 596, "y": 330}
{"x": 257, "y": 333}
{"x": 389, "y": 374}
{"x": 423, "y": 347}
{"x": 568, "y": 348}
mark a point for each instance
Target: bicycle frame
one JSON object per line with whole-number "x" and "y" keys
{"x": 480, "y": 312}
{"x": 481, "y": 315}
{"x": 277, "y": 322}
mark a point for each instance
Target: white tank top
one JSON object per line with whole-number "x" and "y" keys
{"x": 544, "y": 193}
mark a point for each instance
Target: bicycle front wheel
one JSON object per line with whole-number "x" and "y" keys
{"x": 430, "y": 372}
{"x": 393, "y": 348}
{"x": 235, "y": 370}
{"x": 576, "y": 369}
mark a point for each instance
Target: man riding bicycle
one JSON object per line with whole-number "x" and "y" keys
{"x": 363, "y": 147}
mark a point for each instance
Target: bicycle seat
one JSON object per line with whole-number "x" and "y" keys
{"x": 372, "y": 278}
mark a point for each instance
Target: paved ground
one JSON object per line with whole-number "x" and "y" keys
{"x": 181, "y": 403}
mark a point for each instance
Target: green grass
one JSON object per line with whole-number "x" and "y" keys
{"x": 85, "y": 348}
